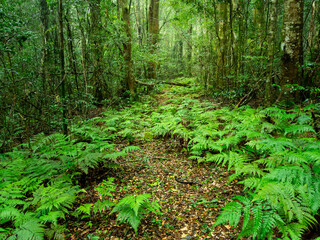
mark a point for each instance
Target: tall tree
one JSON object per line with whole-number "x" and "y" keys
{"x": 259, "y": 23}
{"x": 273, "y": 16}
{"x": 44, "y": 15}
{"x": 127, "y": 46}
{"x": 62, "y": 69}
{"x": 153, "y": 25}
{"x": 97, "y": 50}
{"x": 72, "y": 56}
{"x": 292, "y": 43}
{"x": 222, "y": 43}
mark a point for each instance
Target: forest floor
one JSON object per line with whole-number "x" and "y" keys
{"x": 188, "y": 210}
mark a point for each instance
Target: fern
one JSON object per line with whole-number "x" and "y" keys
{"x": 132, "y": 208}
{"x": 230, "y": 214}
{"x": 54, "y": 198}
{"x": 259, "y": 219}
{"x": 298, "y": 129}
{"x": 27, "y": 227}
{"x": 104, "y": 191}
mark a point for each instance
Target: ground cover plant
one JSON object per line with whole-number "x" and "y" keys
{"x": 171, "y": 166}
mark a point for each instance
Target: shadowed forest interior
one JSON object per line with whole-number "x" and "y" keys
{"x": 159, "y": 119}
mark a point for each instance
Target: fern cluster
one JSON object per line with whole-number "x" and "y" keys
{"x": 38, "y": 186}
{"x": 131, "y": 209}
{"x": 105, "y": 201}
{"x": 277, "y": 158}
{"x": 273, "y": 152}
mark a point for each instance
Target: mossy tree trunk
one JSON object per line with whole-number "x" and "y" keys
{"x": 292, "y": 45}
{"x": 62, "y": 69}
{"x": 127, "y": 45}
{"x": 222, "y": 44}
{"x": 273, "y": 17}
{"x": 153, "y": 24}
{"x": 100, "y": 87}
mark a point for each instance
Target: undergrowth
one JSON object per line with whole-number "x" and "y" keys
{"x": 273, "y": 152}
{"x": 40, "y": 181}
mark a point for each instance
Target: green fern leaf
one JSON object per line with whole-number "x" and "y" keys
{"x": 52, "y": 217}
{"x": 298, "y": 129}
{"x": 230, "y": 214}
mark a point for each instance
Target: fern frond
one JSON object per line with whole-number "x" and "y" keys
{"x": 28, "y": 227}
{"x": 56, "y": 232}
{"x": 298, "y": 129}
{"x": 273, "y": 144}
{"x": 84, "y": 209}
{"x": 230, "y": 214}
{"x": 131, "y": 209}
{"x": 293, "y": 231}
{"x": 52, "y": 217}
{"x": 9, "y": 213}
{"x": 251, "y": 183}
{"x": 101, "y": 206}
{"x": 131, "y": 149}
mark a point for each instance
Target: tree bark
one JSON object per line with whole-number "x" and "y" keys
{"x": 84, "y": 60}
{"x": 44, "y": 14}
{"x": 222, "y": 43}
{"x": 189, "y": 57}
{"x": 153, "y": 34}
{"x": 313, "y": 36}
{"x": 97, "y": 51}
{"x": 62, "y": 70}
{"x": 72, "y": 56}
{"x": 127, "y": 45}
{"x": 273, "y": 6}
{"x": 292, "y": 45}
{"x": 259, "y": 21}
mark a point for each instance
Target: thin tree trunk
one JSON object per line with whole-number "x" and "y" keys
{"x": 72, "y": 57}
{"x": 97, "y": 50}
{"x": 44, "y": 13}
{"x": 139, "y": 23}
{"x": 313, "y": 36}
{"x": 221, "y": 62}
{"x": 62, "y": 70}
{"x": 83, "y": 51}
{"x": 153, "y": 34}
{"x": 189, "y": 64}
{"x": 127, "y": 45}
{"x": 273, "y": 6}
{"x": 259, "y": 21}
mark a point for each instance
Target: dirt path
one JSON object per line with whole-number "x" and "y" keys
{"x": 189, "y": 210}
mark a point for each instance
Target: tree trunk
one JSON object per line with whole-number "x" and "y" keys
{"x": 62, "y": 70}
{"x": 259, "y": 21}
{"x": 84, "y": 59}
{"x": 273, "y": 6}
{"x": 139, "y": 23}
{"x": 189, "y": 57}
{"x": 44, "y": 14}
{"x": 313, "y": 36}
{"x": 72, "y": 56}
{"x": 292, "y": 44}
{"x": 153, "y": 34}
{"x": 129, "y": 79}
{"x": 222, "y": 28}
{"x": 97, "y": 51}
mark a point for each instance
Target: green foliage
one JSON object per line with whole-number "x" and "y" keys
{"x": 277, "y": 159}
{"x": 38, "y": 185}
{"x": 104, "y": 190}
{"x": 272, "y": 151}
{"x": 132, "y": 209}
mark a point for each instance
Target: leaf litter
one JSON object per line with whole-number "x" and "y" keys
{"x": 189, "y": 211}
